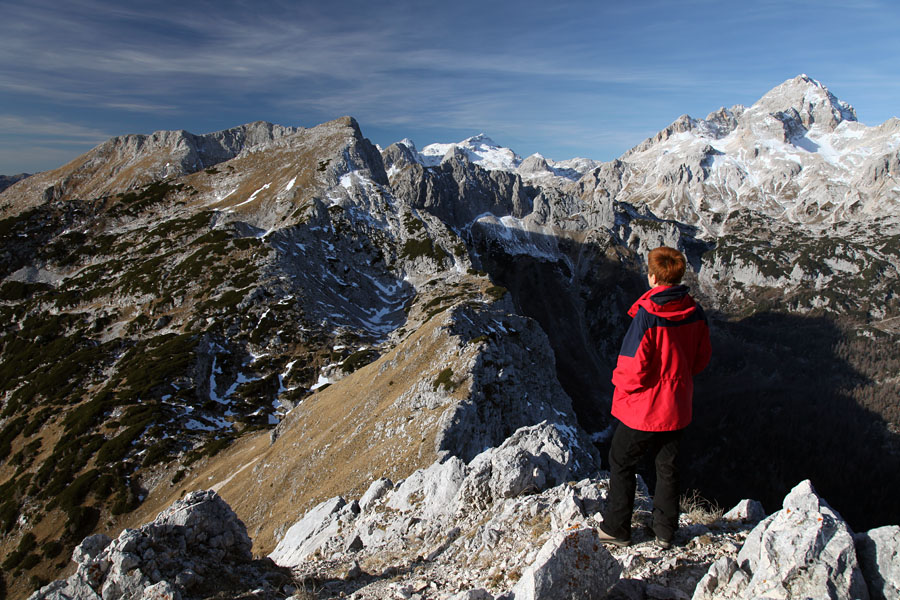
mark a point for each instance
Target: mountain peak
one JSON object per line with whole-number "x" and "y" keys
{"x": 480, "y": 149}
{"x": 481, "y": 139}
{"x": 812, "y": 102}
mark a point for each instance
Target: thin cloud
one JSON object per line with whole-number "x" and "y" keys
{"x": 44, "y": 127}
{"x": 141, "y": 107}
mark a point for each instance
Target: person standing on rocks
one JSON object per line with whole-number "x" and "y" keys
{"x": 665, "y": 346}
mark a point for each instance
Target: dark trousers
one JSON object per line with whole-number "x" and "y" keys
{"x": 628, "y": 447}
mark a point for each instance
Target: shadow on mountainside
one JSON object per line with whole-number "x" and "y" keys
{"x": 775, "y": 406}
{"x": 580, "y": 301}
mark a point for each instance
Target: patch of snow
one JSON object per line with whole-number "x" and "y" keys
{"x": 252, "y": 196}
{"x": 323, "y": 381}
{"x": 347, "y": 180}
{"x": 290, "y": 184}
{"x": 218, "y": 423}
{"x": 212, "y": 382}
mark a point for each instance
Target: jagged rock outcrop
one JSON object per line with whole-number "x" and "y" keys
{"x": 514, "y": 522}
{"x": 570, "y": 565}
{"x": 878, "y": 551}
{"x": 424, "y": 538}
{"x": 456, "y": 190}
{"x": 805, "y": 550}
{"x": 426, "y": 503}
{"x": 197, "y": 548}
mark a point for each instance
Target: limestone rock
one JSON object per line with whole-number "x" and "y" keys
{"x": 309, "y": 533}
{"x": 90, "y": 547}
{"x": 572, "y": 564}
{"x": 531, "y": 460}
{"x": 746, "y": 511}
{"x": 805, "y": 550}
{"x": 476, "y": 594}
{"x": 196, "y": 548}
{"x": 878, "y": 551}
{"x": 377, "y": 490}
{"x": 429, "y": 491}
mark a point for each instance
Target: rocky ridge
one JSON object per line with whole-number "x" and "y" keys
{"x": 511, "y": 524}
{"x": 127, "y": 162}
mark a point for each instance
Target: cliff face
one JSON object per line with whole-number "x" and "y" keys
{"x": 290, "y": 315}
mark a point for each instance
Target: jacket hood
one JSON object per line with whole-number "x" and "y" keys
{"x": 669, "y": 302}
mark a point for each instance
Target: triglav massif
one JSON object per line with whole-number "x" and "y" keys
{"x": 274, "y": 361}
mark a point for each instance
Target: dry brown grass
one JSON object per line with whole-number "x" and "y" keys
{"x": 335, "y": 443}
{"x": 700, "y": 510}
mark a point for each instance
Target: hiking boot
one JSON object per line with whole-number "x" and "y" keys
{"x": 605, "y": 538}
{"x": 663, "y": 544}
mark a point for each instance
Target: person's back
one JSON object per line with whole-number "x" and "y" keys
{"x": 665, "y": 346}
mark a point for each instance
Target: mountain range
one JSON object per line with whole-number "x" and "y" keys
{"x": 288, "y": 315}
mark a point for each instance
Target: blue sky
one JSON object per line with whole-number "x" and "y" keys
{"x": 561, "y": 78}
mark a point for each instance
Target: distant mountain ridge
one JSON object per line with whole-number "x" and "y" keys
{"x": 129, "y": 161}
{"x": 291, "y": 314}
{"x": 8, "y": 180}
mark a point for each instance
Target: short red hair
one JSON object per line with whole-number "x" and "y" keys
{"x": 667, "y": 265}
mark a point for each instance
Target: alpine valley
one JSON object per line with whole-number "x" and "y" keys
{"x": 393, "y": 365}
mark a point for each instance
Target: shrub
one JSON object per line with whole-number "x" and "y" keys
{"x": 81, "y": 522}
{"x": 26, "y": 545}
{"x": 52, "y": 549}
{"x": 358, "y": 359}
{"x": 496, "y": 292}
{"x": 75, "y": 493}
{"x": 9, "y": 514}
{"x": 445, "y": 380}
{"x": 115, "y": 449}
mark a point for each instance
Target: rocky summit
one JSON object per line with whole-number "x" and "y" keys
{"x": 283, "y": 362}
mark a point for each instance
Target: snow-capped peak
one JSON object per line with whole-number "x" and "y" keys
{"x": 409, "y": 144}
{"x": 480, "y": 149}
{"x": 806, "y": 99}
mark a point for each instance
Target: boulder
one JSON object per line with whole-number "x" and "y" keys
{"x": 308, "y": 534}
{"x": 532, "y": 459}
{"x": 476, "y": 594}
{"x": 571, "y": 564}
{"x": 375, "y": 492}
{"x": 429, "y": 492}
{"x": 746, "y": 511}
{"x": 196, "y": 548}
{"x": 805, "y": 550}
{"x": 90, "y": 547}
{"x": 878, "y": 551}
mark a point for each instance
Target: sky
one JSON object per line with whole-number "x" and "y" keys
{"x": 564, "y": 79}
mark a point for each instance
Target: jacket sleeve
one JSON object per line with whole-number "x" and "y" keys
{"x": 632, "y": 367}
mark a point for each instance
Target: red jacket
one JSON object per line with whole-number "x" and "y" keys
{"x": 665, "y": 346}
